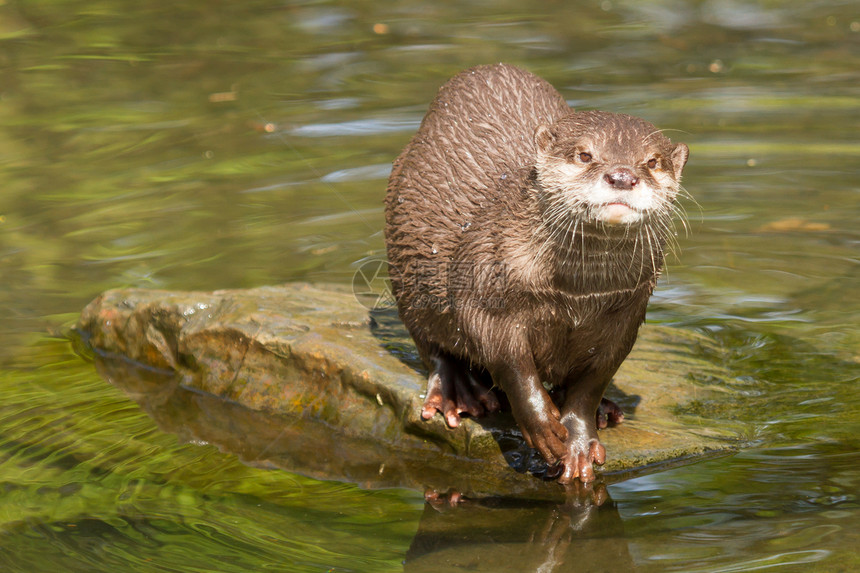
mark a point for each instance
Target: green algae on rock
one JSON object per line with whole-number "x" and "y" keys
{"x": 304, "y": 378}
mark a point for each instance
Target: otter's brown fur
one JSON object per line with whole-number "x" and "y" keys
{"x": 503, "y": 264}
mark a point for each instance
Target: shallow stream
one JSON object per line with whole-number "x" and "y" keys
{"x": 190, "y": 145}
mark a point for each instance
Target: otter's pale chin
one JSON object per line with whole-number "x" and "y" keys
{"x": 619, "y": 214}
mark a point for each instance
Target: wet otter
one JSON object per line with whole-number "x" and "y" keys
{"x": 524, "y": 241}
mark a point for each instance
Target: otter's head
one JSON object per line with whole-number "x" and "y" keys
{"x": 607, "y": 169}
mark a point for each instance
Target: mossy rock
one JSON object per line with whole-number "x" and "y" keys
{"x": 304, "y": 378}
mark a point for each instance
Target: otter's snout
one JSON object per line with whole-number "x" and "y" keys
{"x": 621, "y": 178}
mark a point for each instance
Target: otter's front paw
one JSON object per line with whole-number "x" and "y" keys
{"x": 545, "y": 433}
{"x": 580, "y": 459}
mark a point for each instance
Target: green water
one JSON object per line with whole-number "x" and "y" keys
{"x": 187, "y": 145}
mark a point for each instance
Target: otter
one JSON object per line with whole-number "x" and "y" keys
{"x": 524, "y": 240}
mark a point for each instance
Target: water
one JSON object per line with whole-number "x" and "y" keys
{"x": 202, "y": 146}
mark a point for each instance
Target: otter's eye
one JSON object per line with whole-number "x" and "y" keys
{"x": 585, "y": 157}
{"x": 652, "y": 163}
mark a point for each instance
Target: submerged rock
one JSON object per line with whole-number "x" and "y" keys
{"x": 303, "y": 378}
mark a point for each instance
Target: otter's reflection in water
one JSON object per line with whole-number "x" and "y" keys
{"x": 584, "y": 534}
{"x": 486, "y": 534}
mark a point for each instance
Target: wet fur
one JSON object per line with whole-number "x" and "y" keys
{"x": 498, "y": 265}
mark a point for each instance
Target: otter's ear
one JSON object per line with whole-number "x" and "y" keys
{"x": 679, "y": 158}
{"x": 544, "y": 138}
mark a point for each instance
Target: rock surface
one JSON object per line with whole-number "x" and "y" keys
{"x": 304, "y": 378}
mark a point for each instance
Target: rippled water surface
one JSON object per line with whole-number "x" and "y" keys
{"x": 186, "y": 145}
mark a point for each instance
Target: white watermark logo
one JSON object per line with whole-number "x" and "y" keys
{"x": 371, "y": 285}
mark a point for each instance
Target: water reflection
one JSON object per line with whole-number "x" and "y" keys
{"x": 780, "y": 506}
{"x": 515, "y": 533}
{"x": 577, "y": 536}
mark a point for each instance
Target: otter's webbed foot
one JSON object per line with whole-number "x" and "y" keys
{"x": 581, "y": 415}
{"x": 537, "y": 416}
{"x": 454, "y": 389}
{"x": 580, "y": 458}
{"x": 609, "y": 414}
{"x": 542, "y": 429}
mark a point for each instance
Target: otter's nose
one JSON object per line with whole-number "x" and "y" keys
{"x": 621, "y": 178}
